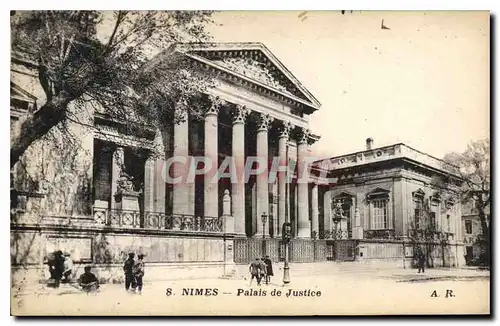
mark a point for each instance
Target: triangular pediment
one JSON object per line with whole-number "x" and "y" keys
{"x": 255, "y": 62}
{"x": 343, "y": 194}
{"x": 418, "y": 193}
{"x": 378, "y": 192}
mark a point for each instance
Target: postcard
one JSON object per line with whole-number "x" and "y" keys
{"x": 234, "y": 163}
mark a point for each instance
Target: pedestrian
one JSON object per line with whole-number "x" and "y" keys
{"x": 420, "y": 260}
{"x": 263, "y": 269}
{"x": 88, "y": 281}
{"x": 269, "y": 269}
{"x": 51, "y": 263}
{"x": 139, "y": 272}
{"x": 58, "y": 268}
{"x": 254, "y": 270}
{"x": 128, "y": 267}
{"x": 68, "y": 267}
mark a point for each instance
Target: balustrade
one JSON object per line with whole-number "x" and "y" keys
{"x": 158, "y": 221}
{"x": 332, "y": 234}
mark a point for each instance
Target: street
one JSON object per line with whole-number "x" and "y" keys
{"x": 398, "y": 292}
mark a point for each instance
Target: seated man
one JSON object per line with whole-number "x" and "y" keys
{"x": 88, "y": 281}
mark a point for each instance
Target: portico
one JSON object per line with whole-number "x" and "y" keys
{"x": 257, "y": 112}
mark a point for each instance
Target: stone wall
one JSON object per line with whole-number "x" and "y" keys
{"x": 170, "y": 256}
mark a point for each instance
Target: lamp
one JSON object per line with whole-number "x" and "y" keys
{"x": 263, "y": 218}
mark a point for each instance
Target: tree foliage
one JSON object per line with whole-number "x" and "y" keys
{"x": 474, "y": 165}
{"x": 103, "y": 60}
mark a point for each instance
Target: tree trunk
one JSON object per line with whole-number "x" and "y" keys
{"x": 485, "y": 241}
{"x": 38, "y": 125}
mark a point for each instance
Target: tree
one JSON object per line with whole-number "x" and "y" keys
{"x": 423, "y": 231}
{"x": 474, "y": 166}
{"x": 103, "y": 60}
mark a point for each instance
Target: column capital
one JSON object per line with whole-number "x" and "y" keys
{"x": 284, "y": 129}
{"x": 303, "y": 136}
{"x": 264, "y": 122}
{"x": 215, "y": 104}
{"x": 119, "y": 155}
{"x": 239, "y": 113}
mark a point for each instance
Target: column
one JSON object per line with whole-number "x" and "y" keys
{"x": 239, "y": 114}
{"x": 149, "y": 182}
{"x": 210, "y": 200}
{"x": 327, "y": 212}
{"x": 116, "y": 166}
{"x": 314, "y": 209}
{"x": 180, "y": 169}
{"x": 158, "y": 163}
{"x": 262, "y": 178}
{"x": 284, "y": 133}
{"x": 304, "y": 228}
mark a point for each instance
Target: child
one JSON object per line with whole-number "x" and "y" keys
{"x": 139, "y": 272}
{"x": 68, "y": 268}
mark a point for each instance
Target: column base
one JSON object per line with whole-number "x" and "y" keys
{"x": 304, "y": 234}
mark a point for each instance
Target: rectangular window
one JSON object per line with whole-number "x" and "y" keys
{"x": 419, "y": 212}
{"x": 432, "y": 221}
{"x": 468, "y": 227}
{"x": 380, "y": 215}
{"x": 448, "y": 223}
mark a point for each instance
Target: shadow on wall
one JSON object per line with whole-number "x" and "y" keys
{"x": 109, "y": 260}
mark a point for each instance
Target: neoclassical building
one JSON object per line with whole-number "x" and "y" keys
{"x": 258, "y": 109}
{"x": 110, "y": 197}
{"x": 393, "y": 198}
{"x": 99, "y": 190}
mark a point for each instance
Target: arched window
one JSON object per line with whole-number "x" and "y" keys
{"x": 418, "y": 208}
{"x": 348, "y": 206}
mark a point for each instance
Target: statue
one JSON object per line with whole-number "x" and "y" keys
{"x": 125, "y": 183}
{"x": 338, "y": 212}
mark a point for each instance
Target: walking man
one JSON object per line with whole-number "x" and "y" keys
{"x": 129, "y": 274}
{"x": 269, "y": 269}
{"x": 254, "y": 270}
{"x": 139, "y": 272}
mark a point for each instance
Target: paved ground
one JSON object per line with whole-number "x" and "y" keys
{"x": 348, "y": 292}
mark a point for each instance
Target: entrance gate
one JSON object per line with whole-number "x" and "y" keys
{"x": 341, "y": 250}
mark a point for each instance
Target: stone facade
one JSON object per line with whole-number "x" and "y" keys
{"x": 97, "y": 190}
{"x": 390, "y": 195}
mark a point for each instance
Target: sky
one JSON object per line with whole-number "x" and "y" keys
{"x": 424, "y": 81}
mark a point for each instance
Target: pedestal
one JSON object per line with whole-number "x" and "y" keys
{"x": 357, "y": 232}
{"x": 127, "y": 201}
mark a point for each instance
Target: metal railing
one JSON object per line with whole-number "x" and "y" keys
{"x": 332, "y": 234}
{"x": 379, "y": 234}
{"x": 158, "y": 221}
